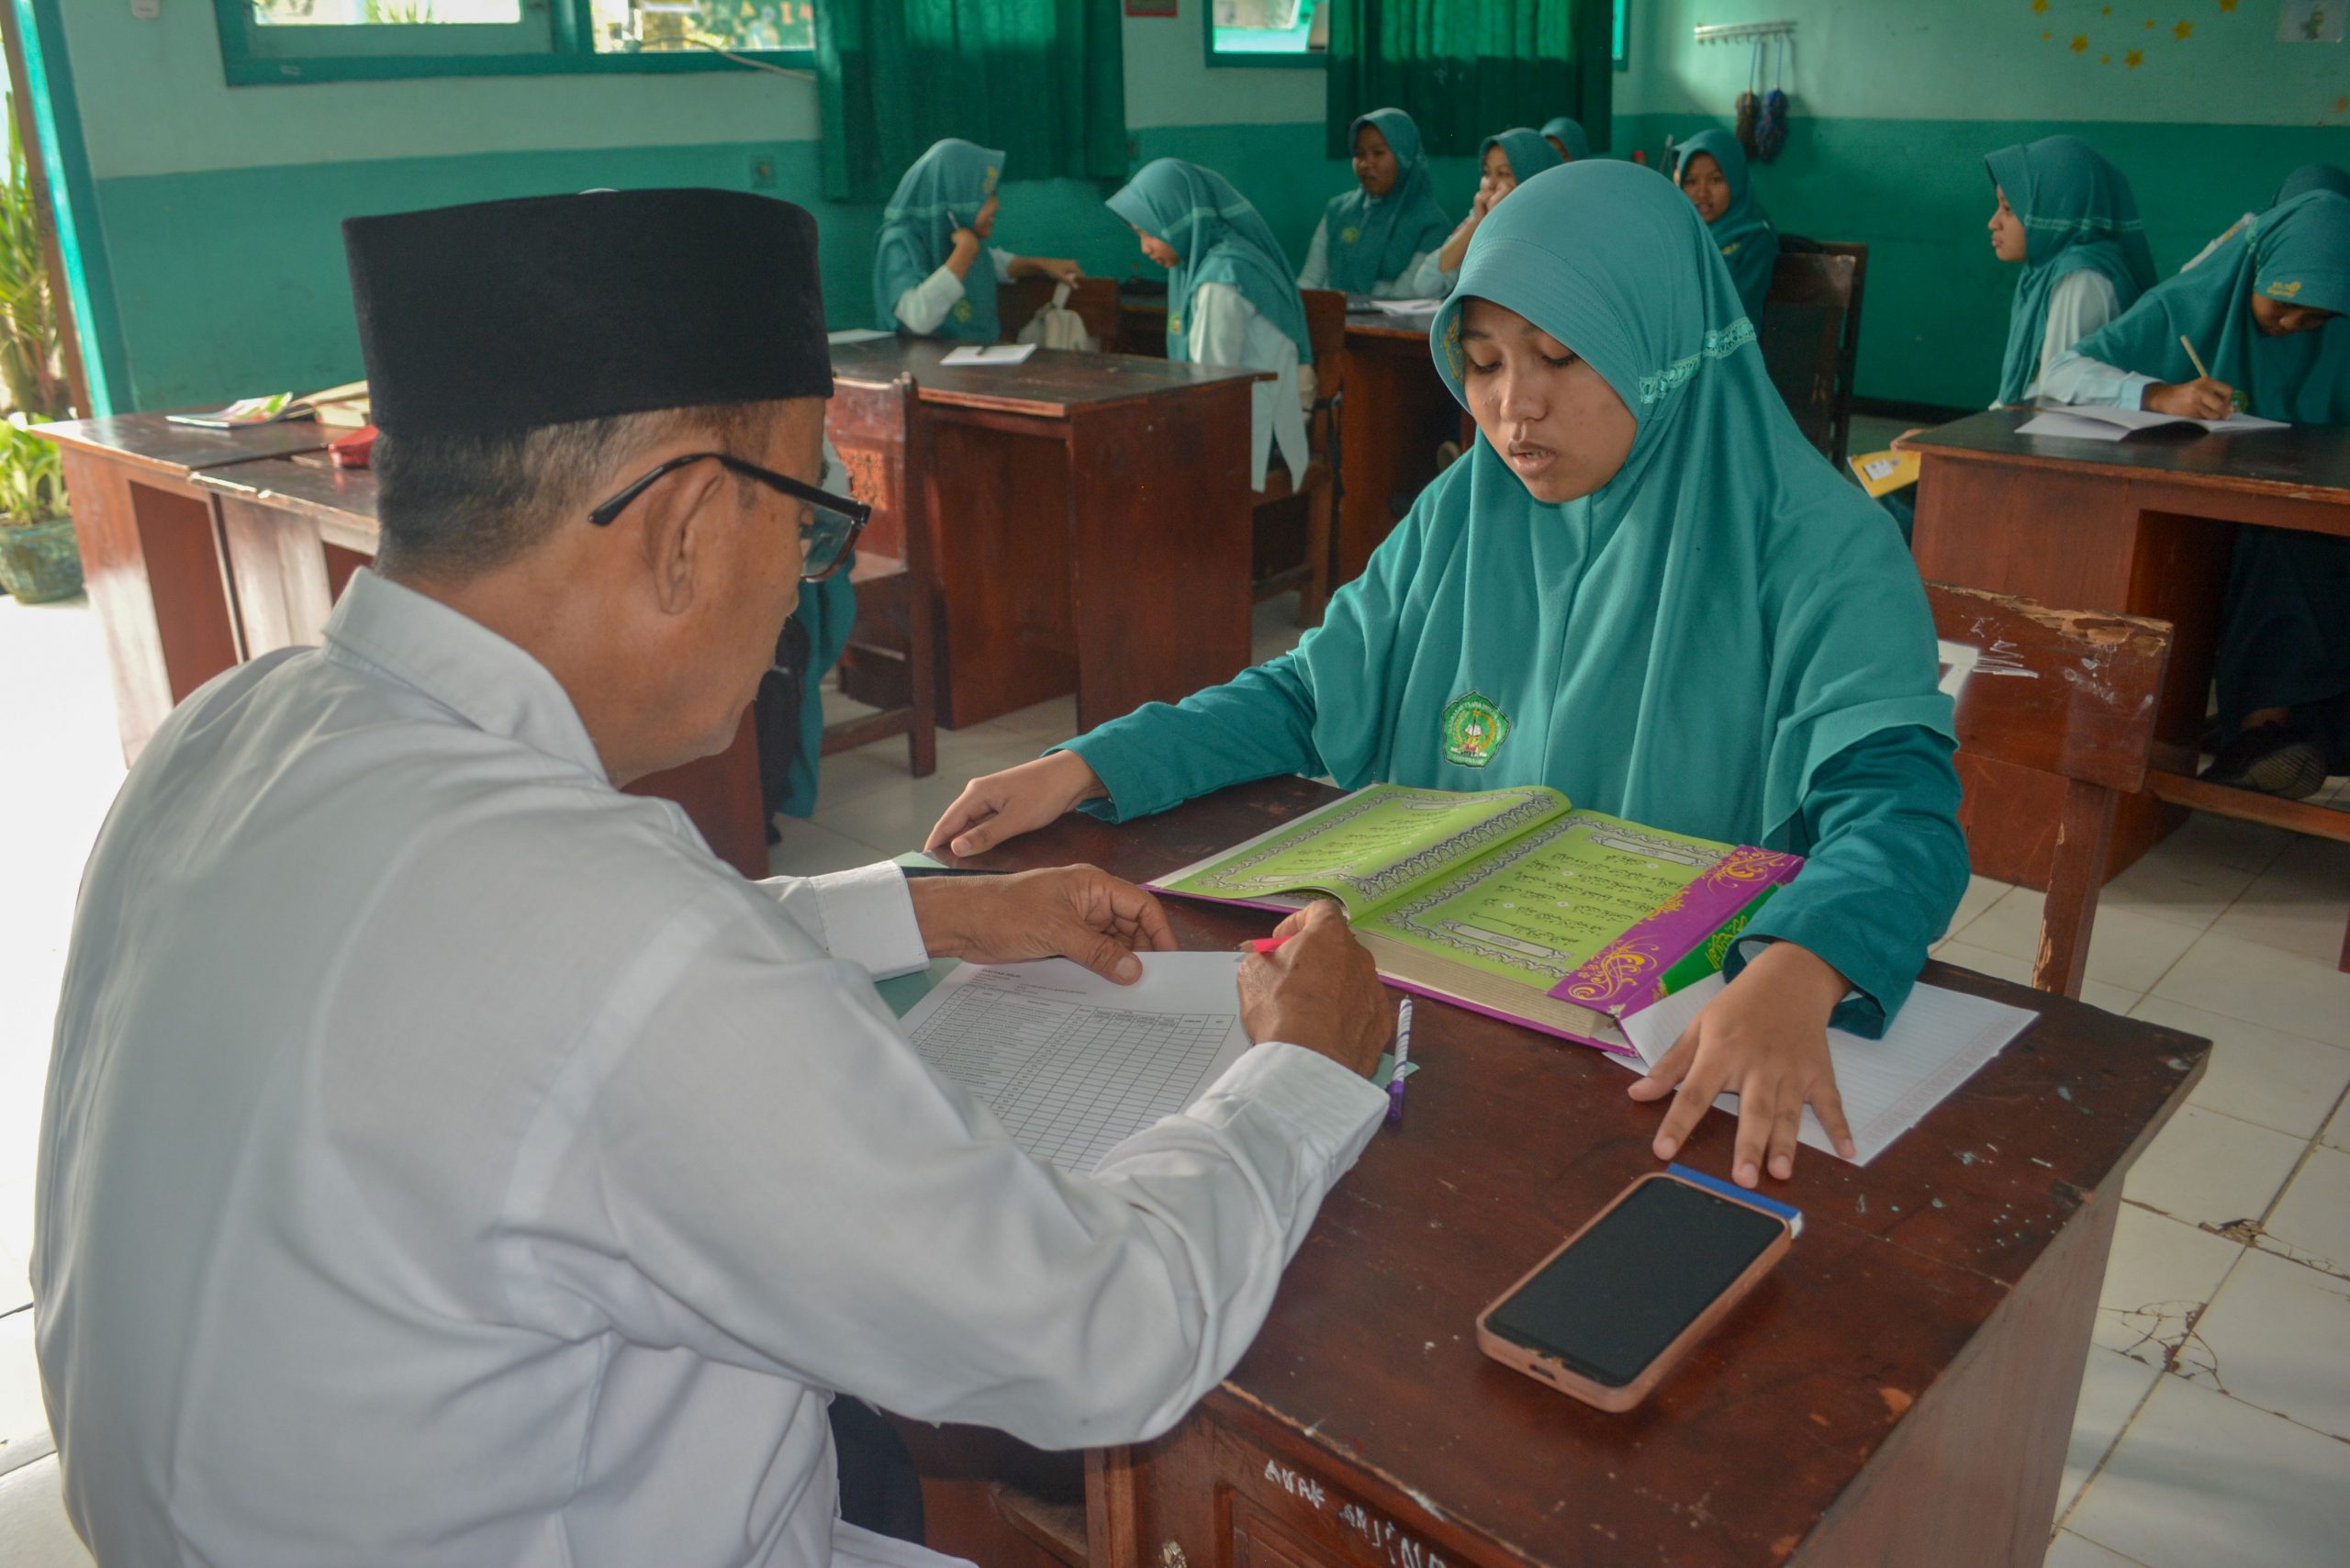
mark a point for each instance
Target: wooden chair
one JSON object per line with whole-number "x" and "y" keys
{"x": 1095, "y": 300}
{"x": 1316, "y": 493}
{"x": 890, "y": 662}
{"x": 2068, "y": 692}
{"x": 1810, "y": 335}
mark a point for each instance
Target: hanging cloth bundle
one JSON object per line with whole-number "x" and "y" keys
{"x": 1750, "y": 103}
{"x": 1770, "y": 124}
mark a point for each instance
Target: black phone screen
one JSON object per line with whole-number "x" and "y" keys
{"x": 1609, "y": 1305}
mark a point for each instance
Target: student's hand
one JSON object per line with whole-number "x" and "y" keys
{"x": 1765, "y": 1039}
{"x": 1074, "y": 912}
{"x": 967, "y": 250}
{"x": 1061, "y": 269}
{"x": 2201, "y": 398}
{"x": 1019, "y": 799}
{"x": 1320, "y": 991}
{"x": 1487, "y": 193}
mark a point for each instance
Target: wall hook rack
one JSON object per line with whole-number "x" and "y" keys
{"x": 1738, "y": 33}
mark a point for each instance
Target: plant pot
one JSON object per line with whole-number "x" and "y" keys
{"x": 38, "y": 562}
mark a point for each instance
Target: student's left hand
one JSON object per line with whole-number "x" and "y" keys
{"x": 1765, "y": 1039}
{"x": 1071, "y": 912}
{"x": 1061, "y": 269}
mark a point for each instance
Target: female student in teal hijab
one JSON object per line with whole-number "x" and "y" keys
{"x": 937, "y": 224}
{"x": 1505, "y": 161}
{"x": 1566, "y": 138}
{"x": 2066, "y": 216}
{"x": 1377, "y": 238}
{"x": 1673, "y": 609}
{"x": 2308, "y": 177}
{"x": 1710, "y": 169}
{"x": 2264, "y": 313}
{"x": 1229, "y": 297}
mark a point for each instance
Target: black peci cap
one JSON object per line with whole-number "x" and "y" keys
{"x": 505, "y": 316}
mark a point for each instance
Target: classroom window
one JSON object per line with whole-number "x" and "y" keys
{"x": 316, "y": 41}
{"x": 1267, "y": 32}
{"x": 1622, "y": 48}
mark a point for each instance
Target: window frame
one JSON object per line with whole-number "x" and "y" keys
{"x": 383, "y": 53}
{"x": 1250, "y": 60}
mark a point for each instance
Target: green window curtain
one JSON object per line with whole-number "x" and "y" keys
{"x": 1465, "y": 69}
{"x": 1044, "y": 80}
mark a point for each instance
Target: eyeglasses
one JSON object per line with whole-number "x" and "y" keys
{"x": 832, "y": 525}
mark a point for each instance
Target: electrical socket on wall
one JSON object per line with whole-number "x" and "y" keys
{"x": 763, "y": 170}
{"x": 146, "y": 10}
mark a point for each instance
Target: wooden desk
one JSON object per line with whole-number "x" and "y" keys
{"x": 206, "y": 548}
{"x": 1900, "y": 1391}
{"x": 1090, "y": 520}
{"x": 2141, "y": 527}
{"x": 1398, "y": 410}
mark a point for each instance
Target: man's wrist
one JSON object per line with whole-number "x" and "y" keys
{"x": 942, "y": 907}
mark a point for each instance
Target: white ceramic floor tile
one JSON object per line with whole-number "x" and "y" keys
{"x": 897, "y": 815}
{"x": 1049, "y": 723}
{"x": 2070, "y": 1551}
{"x": 2258, "y": 1075}
{"x": 2112, "y": 1387}
{"x": 2337, "y": 1131}
{"x": 24, "y": 1422}
{"x": 2128, "y": 948}
{"x": 2200, "y": 1480}
{"x": 1981, "y": 893}
{"x": 2265, "y": 1336}
{"x": 810, "y": 849}
{"x": 34, "y": 1529}
{"x": 2312, "y": 1222}
{"x": 2206, "y": 1168}
{"x": 2113, "y": 999}
{"x": 2299, "y": 905}
{"x": 2179, "y": 882}
{"x": 1984, "y": 962}
{"x": 2262, "y": 985}
{"x": 2159, "y": 1276}
{"x": 16, "y": 1243}
{"x": 2226, "y": 841}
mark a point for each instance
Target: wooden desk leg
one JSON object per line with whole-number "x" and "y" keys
{"x": 151, "y": 556}
{"x": 1160, "y": 525}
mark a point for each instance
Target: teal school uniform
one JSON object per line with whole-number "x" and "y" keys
{"x": 1724, "y": 640}
{"x": 941, "y": 192}
{"x": 1749, "y": 245}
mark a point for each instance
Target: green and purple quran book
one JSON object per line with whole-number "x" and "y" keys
{"x": 1510, "y": 902}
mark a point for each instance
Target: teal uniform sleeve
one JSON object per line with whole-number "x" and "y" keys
{"x": 1882, "y": 875}
{"x": 1316, "y": 710}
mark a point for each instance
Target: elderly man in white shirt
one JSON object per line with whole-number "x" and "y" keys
{"x": 446, "y": 1159}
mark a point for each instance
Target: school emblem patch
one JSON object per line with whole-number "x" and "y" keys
{"x": 1174, "y": 324}
{"x": 1474, "y": 729}
{"x": 962, "y": 310}
{"x": 1349, "y": 236}
{"x": 2284, "y": 288}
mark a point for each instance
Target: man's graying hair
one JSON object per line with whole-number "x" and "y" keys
{"x": 451, "y": 506}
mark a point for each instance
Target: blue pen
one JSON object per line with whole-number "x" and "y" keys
{"x": 1403, "y": 1060}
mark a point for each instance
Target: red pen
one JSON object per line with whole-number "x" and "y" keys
{"x": 1266, "y": 944}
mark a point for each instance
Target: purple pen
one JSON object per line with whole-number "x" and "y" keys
{"x": 1403, "y": 1060}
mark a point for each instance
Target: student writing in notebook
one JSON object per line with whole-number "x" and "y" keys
{"x": 1651, "y": 594}
{"x": 1230, "y": 299}
{"x": 1505, "y": 160}
{"x": 1378, "y": 238}
{"x": 2308, "y": 177}
{"x": 1710, "y": 169}
{"x": 934, "y": 233}
{"x": 2264, "y": 313}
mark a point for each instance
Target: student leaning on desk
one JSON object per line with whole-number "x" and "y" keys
{"x": 446, "y": 1159}
{"x": 1662, "y": 602}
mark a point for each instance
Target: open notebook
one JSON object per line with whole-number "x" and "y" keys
{"x": 1508, "y": 901}
{"x": 2088, "y": 421}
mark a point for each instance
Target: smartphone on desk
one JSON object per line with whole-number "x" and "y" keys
{"x": 1608, "y": 1313}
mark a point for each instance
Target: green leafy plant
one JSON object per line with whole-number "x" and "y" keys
{"x": 28, "y": 338}
{"x": 32, "y": 475}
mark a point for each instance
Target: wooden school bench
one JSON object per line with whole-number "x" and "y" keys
{"x": 2141, "y": 527}
{"x": 1901, "y": 1388}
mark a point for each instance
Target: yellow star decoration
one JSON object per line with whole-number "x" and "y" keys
{"x": 2150, "y": 24}
{"x": 2134, "y": 58}
{"x": 2046, "y": 36}
{"x": 2105, "y": 59}
{"x": 2227, "y": 5}
{"x": 2080, "y": 44}
{"x": 2182, "y": 31}
{"x": 2038, "y": 7}
{"x": 2107, "y": 11}
{"x": 2342, "y": 106}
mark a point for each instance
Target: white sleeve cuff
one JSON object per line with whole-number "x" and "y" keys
{"x": 1002, "y": 260}
{"x": 1334, "y": 1110}
{"x": 870, "y": 920}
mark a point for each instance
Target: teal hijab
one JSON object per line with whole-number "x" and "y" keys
{"x": 1569, "y": 132}
{"x": 2297, "y": 251}
{"x": 1685, "y": 645}
{"x": 943, "y": 191}
{"x": 1749, "y": 245}
{"x": 2077, "y": 215}
{"x": 2312, "y": 177}
{"x": 1527, "y": 153}
{"x": 1373, "y": 239}
{"x": 1222, "y": 239}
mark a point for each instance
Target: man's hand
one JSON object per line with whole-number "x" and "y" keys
{"x": 1765, "y": 1039}
{"x": 1020, "y": 800}
{"x": 1320, "y": 991}
{"x": 1073, "y": 912}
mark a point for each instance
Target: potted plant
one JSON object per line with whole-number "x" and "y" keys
{"x": 38, "y": 558}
